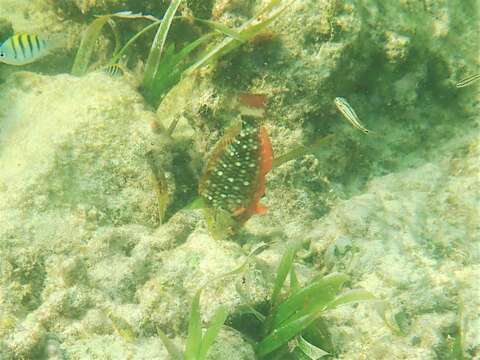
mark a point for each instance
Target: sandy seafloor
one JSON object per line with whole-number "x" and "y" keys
{"x": 88, "y": 272}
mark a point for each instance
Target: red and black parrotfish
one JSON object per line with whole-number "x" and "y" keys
{"x": 234, "y": 177}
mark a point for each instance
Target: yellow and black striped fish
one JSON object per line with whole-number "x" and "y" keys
{"x": 21, "y": 49}
{"x": 114, "y": 70}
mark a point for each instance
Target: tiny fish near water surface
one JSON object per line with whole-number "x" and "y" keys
{"x": 22, "y": 49}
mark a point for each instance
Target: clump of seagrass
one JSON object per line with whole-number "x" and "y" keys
{"x": 292, "y": 326}
{"x": 198, "y": 345}
{"x": 165, "y": 66}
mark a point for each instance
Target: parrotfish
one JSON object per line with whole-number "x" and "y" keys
{"x": 22, "y": 49}
{"x": 234, "y": 176}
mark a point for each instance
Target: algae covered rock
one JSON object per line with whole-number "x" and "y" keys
{"x": 229, "y": 345}
{"x": 76, "y": 148}
{"x": 72, "y": 160}
{"x": 390, "y": 60}
{"x": 87, "y": 270}
{"x": 412, "y": 239}
{"x": 199, "y": 262}
{"x": 201, "y": 8}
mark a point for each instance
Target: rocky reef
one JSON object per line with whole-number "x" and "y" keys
{"x": 88, "y": 267}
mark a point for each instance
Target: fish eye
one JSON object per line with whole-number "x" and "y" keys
{"x": 2, "y": 54}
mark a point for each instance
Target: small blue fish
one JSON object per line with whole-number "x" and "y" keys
{"x": 21, "y": 49}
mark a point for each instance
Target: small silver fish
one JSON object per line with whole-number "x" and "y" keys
{"x": 349, "y": 114}
{"x": 468, "y": 81}
{"x": 22, "y": 48}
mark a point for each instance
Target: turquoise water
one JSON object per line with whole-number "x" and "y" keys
{"x": 239, "y": 179}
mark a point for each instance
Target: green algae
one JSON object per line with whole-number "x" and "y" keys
{"x": 303, "y": 308}
{"x": 164, "y": 68}
{"x": 298, "y": 314}
{"x": 92, "y": 34}
{"x": 87, "y": 46}
{"x": 197, "y": 344}
{"x": 284, "y": 268}
{"x": 157, "y": 85}
{"x": 246, "y": 32}
{"x": 156, "y": 51}
{"x": 395, "y": 230}
{"x": 171, "y": 68}
{"x": 201, "y": 8}
{"x": 302, "y": 150}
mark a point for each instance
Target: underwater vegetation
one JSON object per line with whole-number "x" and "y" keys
{"x": 119, "y": 222}
{"x": 198, "y": 343}
{"x": 292, "y": 327}
{"x": 165, "y": 67}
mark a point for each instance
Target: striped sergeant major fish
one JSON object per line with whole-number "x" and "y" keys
{"x": 349, "y": 114}
{"x": 115, "y": 70}
{"x": 22, "y": 49}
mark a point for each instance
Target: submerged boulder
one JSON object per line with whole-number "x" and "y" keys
{"x": 72, "y": 149}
